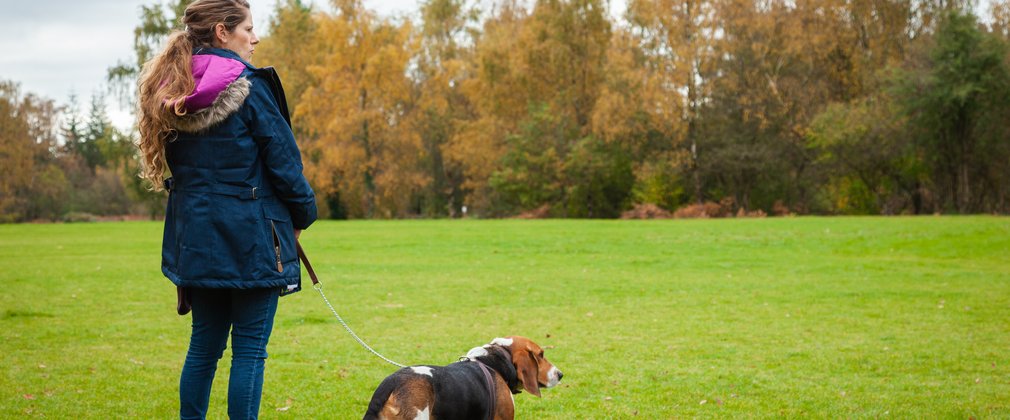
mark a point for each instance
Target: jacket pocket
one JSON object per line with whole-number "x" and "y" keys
{"x": 277, "y": 246}
{"x": 281, "y": 236}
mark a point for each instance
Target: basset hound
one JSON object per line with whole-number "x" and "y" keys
{"x": 479, "y": 386}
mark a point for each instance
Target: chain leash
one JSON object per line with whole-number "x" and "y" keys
{"x": 319, "y": 288}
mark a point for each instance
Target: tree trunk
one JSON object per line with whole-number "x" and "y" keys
{"x": 964, "y": 198}
{"x": 369, "y": 176}
{"x": 692, "y": 100}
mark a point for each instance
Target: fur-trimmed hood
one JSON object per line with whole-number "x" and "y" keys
{"x": 219, "y": 91}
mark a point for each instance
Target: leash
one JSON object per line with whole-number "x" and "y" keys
{"x": 319, "y": 288}
{"x": 491, "y": 389}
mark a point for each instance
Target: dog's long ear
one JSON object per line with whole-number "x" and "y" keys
{"x": 526, "y": 366}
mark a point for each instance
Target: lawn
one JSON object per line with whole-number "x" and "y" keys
{"x": 790, "y": 317}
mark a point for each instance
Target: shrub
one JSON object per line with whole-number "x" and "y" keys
{"x": 79, "y": 217}
{"x": 646, "y": 211}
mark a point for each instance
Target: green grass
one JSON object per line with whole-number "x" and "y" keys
{"x": 794, "y": 317}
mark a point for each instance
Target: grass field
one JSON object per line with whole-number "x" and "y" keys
{"x": 794, "y": 317}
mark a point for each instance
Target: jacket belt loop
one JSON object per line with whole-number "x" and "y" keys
{"x": 254, "y": 193}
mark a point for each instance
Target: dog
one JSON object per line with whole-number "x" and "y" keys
{"x": 480, "y": 386}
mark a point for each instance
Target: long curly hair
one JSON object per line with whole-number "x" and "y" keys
{"x": 167, "y": 79}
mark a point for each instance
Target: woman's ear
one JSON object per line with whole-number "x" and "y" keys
{"x": 220, "y": 34}
{"x": 527, "y": 370}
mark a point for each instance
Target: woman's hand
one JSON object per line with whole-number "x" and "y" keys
{"x": 297, "y": 233}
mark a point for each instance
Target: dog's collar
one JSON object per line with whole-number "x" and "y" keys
{"x": 511, "y": 377}
{"x": 498, "y": 359}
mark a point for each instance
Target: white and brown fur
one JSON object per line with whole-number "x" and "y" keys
{"x": 459, "y": 390}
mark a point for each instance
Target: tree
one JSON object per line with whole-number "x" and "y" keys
{"x": 290, "y": 48}
{"x": 441, "y": 107}
{"x": 780, "y": 64}
{"x": 155, "y": 25}
{"x": 599, "y": 178}
{"x": 865, "y": 149}
{"x": 97, "y": 139}
{"x": 72, "y": 130}
{"x": 531, "y": 174}
{"x": 763, "y": 96}
{"x": 678, "y": 37}
{"x": 359, "y": 145}
{"x": 478, "y": 143}
{"x": 553, "y": 103}
{"x": 641, "y": 115}
{"x": 551, "y": 61}
{"x": 31, "y": 184}
{"x": 999, "y": 10}
{"x": 957, "y": 104}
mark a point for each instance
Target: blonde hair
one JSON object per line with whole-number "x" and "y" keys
{"x": 167, "y": 79}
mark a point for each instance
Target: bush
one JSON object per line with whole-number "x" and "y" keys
{"x": 780, "y": 209}
{"x": 756, "y": 213}
{"x": 79, "y": 217}
{"x": 724, "y": 208}
{"x": 599, "y": 179}
{"x": 646, "y": 211}
{"x": 541, "y": 212}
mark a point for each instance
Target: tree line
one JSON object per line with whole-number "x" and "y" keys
{"x": 557, "y": 108}
{"x": 58, "y": 163}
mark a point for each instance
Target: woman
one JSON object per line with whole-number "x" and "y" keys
{"x": 237, "y": 197}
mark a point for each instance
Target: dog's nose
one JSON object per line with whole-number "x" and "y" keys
{"x": 560, "y": 375}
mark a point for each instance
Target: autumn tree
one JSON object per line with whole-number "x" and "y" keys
{"x": 748, "y": 121}
{"x": 359, "y": 146}
{"x": 478, "y": 144}
{"x": 32, "y": 186}
{"x": 557, "y": 66}
{"x": 780, "y": 64}
{"x": 444, "y": 66}
{"x": 678, "y": 37}
{"x": 999, "y": 11}
{"x": 641, "y": 115}
{"x": 291, "y": 48}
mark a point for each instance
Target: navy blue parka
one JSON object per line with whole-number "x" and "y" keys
{"x": 237, "y": 192}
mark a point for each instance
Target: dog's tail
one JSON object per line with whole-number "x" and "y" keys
{"x": 379, "y": 399}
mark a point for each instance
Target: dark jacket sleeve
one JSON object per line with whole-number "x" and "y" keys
{"x": 282, "y": 160}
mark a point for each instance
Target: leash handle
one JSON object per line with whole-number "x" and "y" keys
{"x": 305, "y": 260}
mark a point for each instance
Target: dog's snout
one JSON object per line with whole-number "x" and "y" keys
{"x": 553, "y": 376}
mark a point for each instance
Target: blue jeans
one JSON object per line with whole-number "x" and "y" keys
{"x": 249, "y": 315}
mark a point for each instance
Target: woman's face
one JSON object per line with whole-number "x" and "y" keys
{"x": 242, "y": 40}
